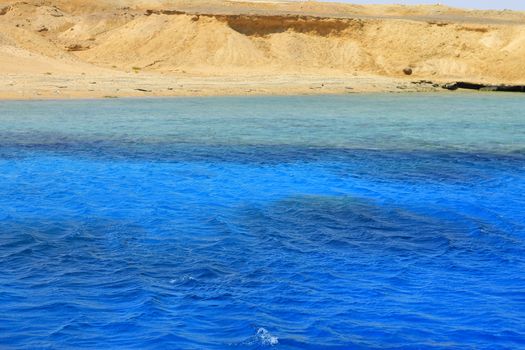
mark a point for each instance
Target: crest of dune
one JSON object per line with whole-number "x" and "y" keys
{"x": 208, "y": 43}
{"x": 163, "y": 42}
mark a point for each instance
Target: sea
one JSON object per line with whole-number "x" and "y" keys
{"x": 360, "y": 221}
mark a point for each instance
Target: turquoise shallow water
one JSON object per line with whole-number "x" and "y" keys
{"x": 334, "y": 222}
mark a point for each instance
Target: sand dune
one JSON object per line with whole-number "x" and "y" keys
{"x": 303, "y": 42}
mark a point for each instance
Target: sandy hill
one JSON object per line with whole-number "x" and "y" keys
{"x": 235, "y": 38}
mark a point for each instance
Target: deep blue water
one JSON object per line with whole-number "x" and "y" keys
{"x": 335, "y": 222}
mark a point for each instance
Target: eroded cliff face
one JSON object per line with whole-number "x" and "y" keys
{"x": 175, "y": 37}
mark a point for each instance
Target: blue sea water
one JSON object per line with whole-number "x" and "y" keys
{"x": 333, "y": 222}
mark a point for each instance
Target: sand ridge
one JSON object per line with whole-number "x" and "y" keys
{"x": 80, "y": 48}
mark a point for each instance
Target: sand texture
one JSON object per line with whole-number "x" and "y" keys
{"x": 111, "y": 48}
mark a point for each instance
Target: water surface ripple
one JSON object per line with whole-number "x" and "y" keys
{"x": 335, "y": 222}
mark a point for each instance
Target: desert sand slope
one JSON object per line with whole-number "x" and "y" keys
{"x": 52, "y": 48}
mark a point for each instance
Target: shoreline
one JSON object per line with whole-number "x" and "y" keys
{"x": 440, "y": 92}
{"x": 49, "y": 87}
{"x": 44, "y": 87}
{"x": 79, "y": 97}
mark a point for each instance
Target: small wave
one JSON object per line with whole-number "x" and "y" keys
{"x": 182, "y": 279}
{"x": 262, "y": 337}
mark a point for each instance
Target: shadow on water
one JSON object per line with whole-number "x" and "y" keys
{"x": 363, "y": 226}
{"x": 416, "y": 165}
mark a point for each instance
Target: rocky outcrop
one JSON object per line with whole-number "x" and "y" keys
{"x": 483, "y": 87}
{"x": 4, "y": 10}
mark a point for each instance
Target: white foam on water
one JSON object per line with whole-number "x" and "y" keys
{"x": 265, "y": 338}
{"x": 183, "y": 278}
{"x": 261, "y": 337}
